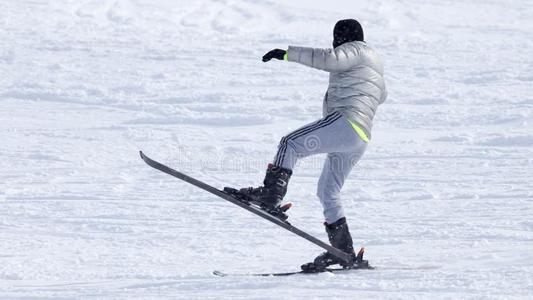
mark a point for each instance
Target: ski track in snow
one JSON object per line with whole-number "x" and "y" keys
{"x": 442, "y": 199}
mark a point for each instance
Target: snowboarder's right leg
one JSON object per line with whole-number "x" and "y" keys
{"x": 340, "y": 238}
{"x": 336, "y": 169}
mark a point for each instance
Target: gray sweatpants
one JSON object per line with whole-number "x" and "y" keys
{"x": 334, "y": 135}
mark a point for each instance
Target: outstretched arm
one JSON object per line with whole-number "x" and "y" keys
{"x": 330, "y": 60}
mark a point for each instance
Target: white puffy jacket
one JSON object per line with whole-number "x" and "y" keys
{"x": 356, "y": 84}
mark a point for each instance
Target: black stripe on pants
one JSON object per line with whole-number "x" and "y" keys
{"x": 280, "y": 156}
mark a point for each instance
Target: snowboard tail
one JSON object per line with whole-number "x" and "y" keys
{"x": 282, "y": 274}
{"x": 361, "y": 266}
{"x": 251, "y": 208}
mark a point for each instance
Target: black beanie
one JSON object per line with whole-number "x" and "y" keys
{"x": 345, "y": 31}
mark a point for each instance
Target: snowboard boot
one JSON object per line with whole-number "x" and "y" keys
{"x": 273, "y": 190}
{"x": 340, "y": 238}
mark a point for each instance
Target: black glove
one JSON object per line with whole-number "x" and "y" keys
{"x": 276, "y": 53}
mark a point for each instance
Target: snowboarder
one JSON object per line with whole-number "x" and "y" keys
{"x": 356, "y": 88}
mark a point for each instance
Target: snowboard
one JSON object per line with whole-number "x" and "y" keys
{"x": 258, "y": 211}
{"x": 360, "y": 263}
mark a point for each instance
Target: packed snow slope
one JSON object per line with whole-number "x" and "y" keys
{"x": 442, "y": 200}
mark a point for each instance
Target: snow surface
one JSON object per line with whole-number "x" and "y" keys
{"x": 442, "y": 200}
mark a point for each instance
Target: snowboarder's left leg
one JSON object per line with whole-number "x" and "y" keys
{"x": 332, "y": 133}
{"x": 274, "y": 187}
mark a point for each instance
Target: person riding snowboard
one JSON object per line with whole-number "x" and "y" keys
{"x": 356, "y": 88}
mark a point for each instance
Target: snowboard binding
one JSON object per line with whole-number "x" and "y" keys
{"x": 357, "y": 263}
{"x": 278, "y": 212}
